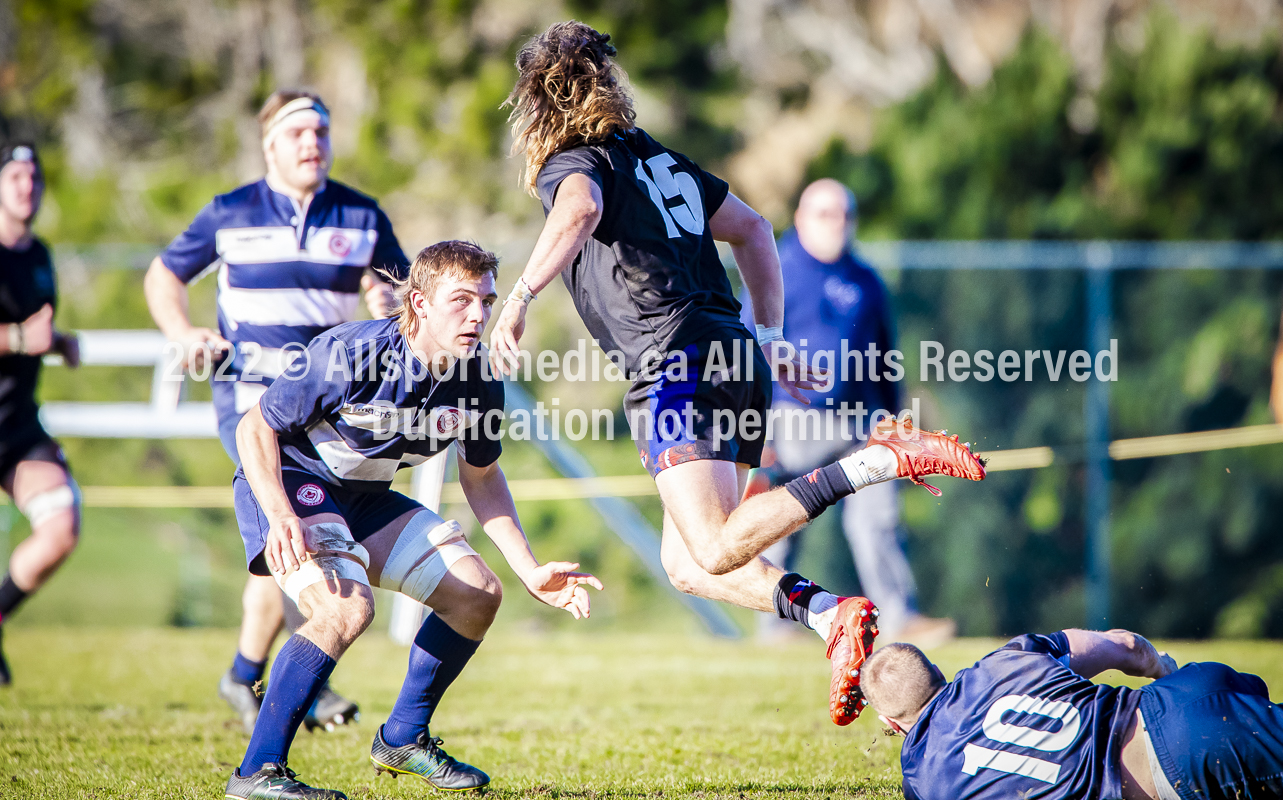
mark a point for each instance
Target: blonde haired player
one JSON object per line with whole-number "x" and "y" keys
{"x": 317, "y": 512}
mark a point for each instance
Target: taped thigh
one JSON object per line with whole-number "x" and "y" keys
{"x": 335, "y": 556}
{"x": 423, "y": 554}
{"x": 42, "y": 506}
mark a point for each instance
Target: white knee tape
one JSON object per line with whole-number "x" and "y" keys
{"x": 44, "y": 505}
{"x": 422, "y": 555}
{"x": 334, "y": 556}
{"x": 321, "y": 569}
{"x": 334, "y": 538}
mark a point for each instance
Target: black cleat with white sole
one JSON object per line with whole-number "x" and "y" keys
{"x": 275, "y": 782}
{"x": 426, "y": 759}
{"x": 331, "y": 710}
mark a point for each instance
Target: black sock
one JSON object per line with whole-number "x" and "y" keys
{"x": 820, "y": 488}
{"x": 10, "y": 596}
{"x": 792, "y": 595}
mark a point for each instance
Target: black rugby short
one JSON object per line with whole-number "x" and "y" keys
{"x": 701, "y": 413}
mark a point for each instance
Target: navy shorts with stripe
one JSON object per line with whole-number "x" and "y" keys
{"x": 675, "y": 436}
{"x": 365, "y": 513}
{"x": 1216, "y": 733}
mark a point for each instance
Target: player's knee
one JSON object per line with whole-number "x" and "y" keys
{"x": 353, "y": 614}
{"x": 715, "y": 561}
{"x": 54, "y": 515}
{"x": 62, "y": 539}
{"x": 484, "y": 598}
{"x": 686, "y": 576}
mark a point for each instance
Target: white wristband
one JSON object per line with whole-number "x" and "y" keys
{"x": 16, "y": 339}
{"x": 521, "y": 292}
{"x": 767, "y": 335}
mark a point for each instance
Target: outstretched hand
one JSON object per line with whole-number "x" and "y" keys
{"x": 505, "y": 338}
{"x": 558, "y": 585}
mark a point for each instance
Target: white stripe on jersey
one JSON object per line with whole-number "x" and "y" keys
{"x": 347, "y": 464}
{"x": 352, "y": 247}
{"x": 245, "y": 395}
{"x": 321, "y": 307}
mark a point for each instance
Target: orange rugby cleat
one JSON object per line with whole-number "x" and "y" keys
{"x": 850, "y": 642}
{"x": 919, "y": 453}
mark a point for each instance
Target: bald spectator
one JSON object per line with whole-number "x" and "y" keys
{"x": 831, "y": 295}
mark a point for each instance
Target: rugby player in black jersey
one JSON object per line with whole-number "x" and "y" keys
{"x": 32, "y": 468}
{"x": 631, "y": 227}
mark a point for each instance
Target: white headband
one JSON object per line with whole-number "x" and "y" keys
{"x": 293, "y": 107}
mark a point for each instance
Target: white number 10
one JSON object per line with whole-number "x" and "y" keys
{"x": 667, "y": 184}
{"x": 976, "y": 758}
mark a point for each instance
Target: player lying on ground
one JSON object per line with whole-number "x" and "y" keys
{"x": 32, "y": 468}
{"x": 631, "y": 229}
{"x": 291, "y": 249}
{"x": 319, "y": 452}
{"x": 1026, "y": 721}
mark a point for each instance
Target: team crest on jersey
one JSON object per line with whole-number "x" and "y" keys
{"x": 340, "y": 245}
{"x": 309, "y": 494}
{"x": 447, "y": 421}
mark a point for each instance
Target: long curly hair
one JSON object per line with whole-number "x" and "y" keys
{"x": 569, "y": 92}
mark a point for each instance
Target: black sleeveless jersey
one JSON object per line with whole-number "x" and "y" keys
{"x": 649, "y": 278}
{"x": 26, "y": 284}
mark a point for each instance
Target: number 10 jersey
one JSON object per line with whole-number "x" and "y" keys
{"x": 1020, "y": 723}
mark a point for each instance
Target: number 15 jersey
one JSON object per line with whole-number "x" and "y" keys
{"x": 1020, "y": 724}
{"x": 649, "y": 278}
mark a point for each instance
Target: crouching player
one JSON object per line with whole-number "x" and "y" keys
{"x": 313, "y": 499}
{"x": 1026, "y": 721}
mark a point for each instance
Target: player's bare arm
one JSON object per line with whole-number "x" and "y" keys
{"x": 556, "y": 583}
{"x": 166, "y": 298}
{"x": 574, "y": 215}
{"x": 1093, "y": 652}
{"x": 261, "y": 459}
{"x": 752, "y": 241}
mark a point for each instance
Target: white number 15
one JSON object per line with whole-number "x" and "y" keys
{"x": 668, "y": 184}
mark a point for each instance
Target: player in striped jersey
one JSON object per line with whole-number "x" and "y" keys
{"x": 291, "y": 252}
{"x": 316, "y": 509}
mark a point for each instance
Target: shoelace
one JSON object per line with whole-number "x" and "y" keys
{"x": 282, "y": 771}
{"x": 433, "y": 745}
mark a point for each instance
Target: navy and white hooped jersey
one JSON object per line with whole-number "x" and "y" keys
{"x": 1020, "y": 723}
{"x": 283, "y": 276}
{"x": 360, "y": 405}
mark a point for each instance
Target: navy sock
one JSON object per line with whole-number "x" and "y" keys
{"x": 792, "y": 598}
{"x": 436, "y": 659}
{"x": 300, "y": 670}
{"x": 246, "y": 671}
{"x": 10, "y": 596}
{"x": 820, "y": 488}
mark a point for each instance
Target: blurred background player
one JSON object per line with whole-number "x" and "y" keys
{"x": 833, "y": 298}
{"x": 291, "y": 250}
{"x": 631, "y": 226}
{"x": 1026, "y": 721}
{"x": 32, "y": 467}
{"x": 316, "y": 508}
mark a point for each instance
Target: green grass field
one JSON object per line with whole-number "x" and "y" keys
{"x": 132, "y": 714}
